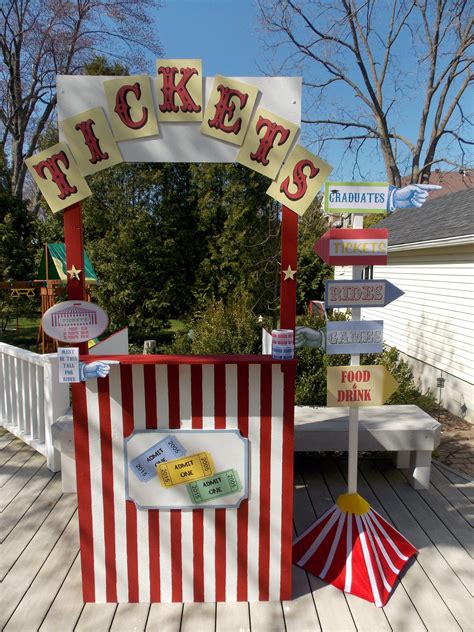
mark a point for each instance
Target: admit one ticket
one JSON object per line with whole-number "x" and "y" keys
{"x": 185, "y": 469}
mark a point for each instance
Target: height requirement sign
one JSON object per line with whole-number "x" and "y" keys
{"x": 178, "y": 116}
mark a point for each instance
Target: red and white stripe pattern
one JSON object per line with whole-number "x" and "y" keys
{"x": 359, "y": 554}
{"x": 129, "y": 555}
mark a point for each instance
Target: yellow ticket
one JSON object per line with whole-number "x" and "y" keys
{"x": 185, "y": 469}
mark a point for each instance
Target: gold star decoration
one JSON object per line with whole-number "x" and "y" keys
{"x": 74, "y": 273}
{"x": 289, "y": 274}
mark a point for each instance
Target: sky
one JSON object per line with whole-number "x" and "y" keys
{"x": 224, "y": 34}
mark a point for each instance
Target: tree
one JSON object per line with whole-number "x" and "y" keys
{"x": 16, "y": 232}
{"x": 312, "y": 271}
{"x": 40, "y": 39}
{"x": 368, "y": 63}
{"x": 239, "y": 232}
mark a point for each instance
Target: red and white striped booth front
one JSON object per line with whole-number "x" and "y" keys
{"x": 233, "y": 554}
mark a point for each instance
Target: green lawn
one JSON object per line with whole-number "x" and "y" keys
{"x": 25, "y": 336}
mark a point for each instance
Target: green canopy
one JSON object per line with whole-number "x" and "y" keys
{"x": 57, "y": 265}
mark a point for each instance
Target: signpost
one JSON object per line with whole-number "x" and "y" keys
{"x": 359, "y": 293}
{"x": 353, "y": 246}
{"x": 359, "y": 385}
{"x": 355, "y": 197}
{"x": 354, "y": 336}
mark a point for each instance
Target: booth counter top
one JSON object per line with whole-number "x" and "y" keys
{"x": 189, "y": 359}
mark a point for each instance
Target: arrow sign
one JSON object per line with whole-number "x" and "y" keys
{"x": 353, "y": 246}
{"x": 355, "y": 197}
{"x": 360, "y": 293}
{"x": 357, "y": 386}
{"x": 354, "y": 336}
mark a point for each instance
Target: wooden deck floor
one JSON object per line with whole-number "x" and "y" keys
{"x": 40, "y": 574}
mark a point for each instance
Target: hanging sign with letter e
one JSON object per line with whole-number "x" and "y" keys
{"x": 357, "y": 386}
{"x": 353, "y": 246}
{"x": 359, "y": 293}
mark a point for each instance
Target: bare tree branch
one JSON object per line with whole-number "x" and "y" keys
{"x": 349, "y": 52}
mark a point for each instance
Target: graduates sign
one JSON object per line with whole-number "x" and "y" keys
{"x": 179, "y": 116}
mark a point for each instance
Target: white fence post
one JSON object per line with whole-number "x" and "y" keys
{"x": 31, "y": 398}
{"x": 56, "y": 402}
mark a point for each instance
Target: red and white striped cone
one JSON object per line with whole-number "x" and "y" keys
{"x": 353, "y": 548}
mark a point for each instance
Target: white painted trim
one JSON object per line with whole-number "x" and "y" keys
{"x": 460, "y": 240}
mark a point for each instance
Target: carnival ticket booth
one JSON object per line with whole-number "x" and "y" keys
{"x": 184, "y": 463}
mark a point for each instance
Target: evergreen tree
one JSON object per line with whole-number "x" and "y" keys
{"x": 16, "y": 232}
{"x": 239, "y": 231}
{"x": 312, "y": 271}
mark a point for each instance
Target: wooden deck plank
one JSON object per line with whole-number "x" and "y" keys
{"x": 443, "y": 600}
{"x": 460, "y": 481}
{"x": 450, "y": 517}
{"x": 36, "y": 602}
{"x": 233, "y": 616}
{"x": 300, "y": 613}
{"x": 456, "y": 556}
{"x": 67, "y": 605}
{"x": 21, "y": 535}
{"x": 199, "y": 616}
{"x": 130, "y": 617}
{"x": 34, "y": 556}
{"x": 96, "y": 616}
{"x": 22, "y": 476}
{"x": 14, "y": 446}
{"x": 5, "y": 439}
{"x": 331, "y": 604}
{"x": 456, "y": 498}
{"x": 165, "y": 617}
{"x": 266, "y": 615}
{"x": 14, "y": 463}
{"x": 23, "y": 501}
{"x": 42, "y": 586}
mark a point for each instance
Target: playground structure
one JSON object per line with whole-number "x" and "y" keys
{"x": 51, "y": 282}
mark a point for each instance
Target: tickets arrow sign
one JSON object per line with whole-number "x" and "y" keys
{"x": 357, "y": 293}
{"x": 357, "y": 386}
{"x": 353, "y": 246}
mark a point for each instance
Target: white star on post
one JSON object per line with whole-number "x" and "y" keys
{"x": 289, "y": 274}
{"x": 74, "y": 273}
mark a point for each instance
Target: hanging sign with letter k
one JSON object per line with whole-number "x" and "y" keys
{"x": 353, "y": 246}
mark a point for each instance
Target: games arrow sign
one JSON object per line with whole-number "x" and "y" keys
{"x": 357, "y": 293}
{"x": 353, "y": 246}
{"x": 354, "y": 336}
{"x": 357, "y": 386}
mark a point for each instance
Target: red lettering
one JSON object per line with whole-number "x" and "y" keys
{"x": 341, "y": 396}
{"x": 58, "y": 177}
{"x": 122, "y": 108}
{"x": 91, "y": 141}
{"x": 367, "y": 395}
{"x": 300, "y": 180}
{"x": 225, "y": 107}
{"x": 170, "y": 89}
{"x": 268, "y": 140}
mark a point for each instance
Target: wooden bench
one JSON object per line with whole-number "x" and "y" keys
{"x": 406, "y": 430}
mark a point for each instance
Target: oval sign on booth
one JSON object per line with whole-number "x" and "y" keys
{"x": 75, "y": 321}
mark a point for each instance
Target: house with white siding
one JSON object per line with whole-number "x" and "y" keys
{"x": 431, "y": 258}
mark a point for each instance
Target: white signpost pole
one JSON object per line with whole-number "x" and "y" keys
{"x": 357, "y": 222}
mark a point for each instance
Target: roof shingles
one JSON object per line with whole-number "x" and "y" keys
{"x": 449, "y": 216}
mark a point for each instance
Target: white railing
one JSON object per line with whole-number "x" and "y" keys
{"x": 31, "y": 398}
